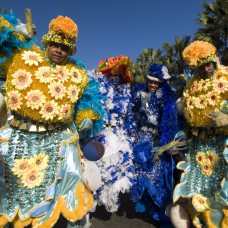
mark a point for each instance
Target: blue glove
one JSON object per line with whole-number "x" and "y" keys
{"x": 86, "y": 124}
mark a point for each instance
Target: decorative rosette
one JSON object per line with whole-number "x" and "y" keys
{"x": 41, "y": 92}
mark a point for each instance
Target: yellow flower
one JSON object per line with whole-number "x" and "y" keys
{"x": 200, "y": 102}
{"x": 35, "y": 99}
{"x": 43, "y": 74}
{"x": 21, "y": 79}
{"x": 212, "y": 157}
{"x": 194, "y": 86}
{"x": 14, "y": 100}
{"x": 212, "y": 98}
{"x": 20, "y": 166}
{"x": 200, "y": 202}
{"x": 39, "y": 162}
{"x": 76, "y": 75}
{"x": 200, "y": 157}
{"x": 220, "y": 85}
{"x": 73, "y": 93}
{"x": 32, "y": 179}
{"x": 57, "y": 90}
{"x": 32, "y": 58}
{"x": 204, "y": 84}
{"x": 190, "y": 102}
{"x": 65, "y": 112}
{"x": 61, "y": 73}
{"x": 49, "y": 110}
{"x": 206, "y": 168}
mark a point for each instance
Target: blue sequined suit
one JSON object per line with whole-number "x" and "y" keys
{"x": 157, "y": 122}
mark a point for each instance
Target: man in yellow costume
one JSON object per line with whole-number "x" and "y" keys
{"x": 205, "y": 107}
{"x": 49, "y": 96}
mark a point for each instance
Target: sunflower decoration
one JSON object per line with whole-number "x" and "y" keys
{"x": 32, "y": 179}
{"x": 21, "y": 166}
{"x": 30, "y": 171}
{"x": 21, "y": 79}
{"x": 32, "y": 58}
{"x": 200, "y": 202}
{"x": 44, "y": 75}
{"x": 14, "y": 99}
{"x": 39, "y": 162}
{"x": 200, "y": 158}
{"x": 212, "y": 157}
{"x": 35, "y": 99}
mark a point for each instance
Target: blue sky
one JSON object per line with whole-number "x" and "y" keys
{"x": 120, "y": 27}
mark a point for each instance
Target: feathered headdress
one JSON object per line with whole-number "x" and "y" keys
{"x": 199, "y": 53}
{"x": 158, "y": 72}
{"x": 120, "y": 64}
{"x": 64, "y": 31}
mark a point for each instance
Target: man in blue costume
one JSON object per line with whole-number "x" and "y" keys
{"x": 154, "y": 105}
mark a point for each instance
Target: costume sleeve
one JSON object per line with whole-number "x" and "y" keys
{"x": 11, "y": 40}
{"x": 90, "y": 107}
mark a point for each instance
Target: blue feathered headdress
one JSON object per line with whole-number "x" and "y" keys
{"x": 158, "y": 72}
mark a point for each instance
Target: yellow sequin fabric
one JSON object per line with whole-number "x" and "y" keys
{"x": 202, "y": 97}
{"x": 43, "y": 92}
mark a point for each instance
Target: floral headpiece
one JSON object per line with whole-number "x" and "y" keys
{"x": 64, "y": 31}
{"x": 120, "y": 65}
{"x": 158, "y": 72}
{"x": 199, "y": 53}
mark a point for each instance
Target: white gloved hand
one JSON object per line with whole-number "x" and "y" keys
{"x": 91, "y": 175}
{"x": 86, "y": 124}
{"x": 22, "y": 28}
{"x": 219, "y": 119}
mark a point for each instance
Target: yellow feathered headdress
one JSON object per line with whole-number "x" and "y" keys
{"x": 199, "y": 53}
{"x": 64, "y": 31}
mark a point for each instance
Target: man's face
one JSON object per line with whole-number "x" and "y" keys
{"x": 152, "y": 86}
{"x": 115, "y": 79}
{"x": 206, "y": 70}
{"x": 57, "y": 53}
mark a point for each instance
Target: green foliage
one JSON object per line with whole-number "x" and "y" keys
{"x": 214, "y": 22}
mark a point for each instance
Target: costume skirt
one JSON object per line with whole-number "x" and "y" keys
{"x": 204, "y": 179}
{"x": 116, "y": 167}
{"x": 152, "y": 190}
{"x": 40, "y": 177}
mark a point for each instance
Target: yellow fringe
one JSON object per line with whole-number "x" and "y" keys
{"x": 3, "y": 221}
{"x": 17, "y": 223}
{"x": 85, "y": 114}
{"x": 225, "y": 219}
{"x": 61, "y": 207}
{"x": 207, "y": 217}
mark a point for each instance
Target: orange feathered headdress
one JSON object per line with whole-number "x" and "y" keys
{"x": 62, "y": 30}
{"x": 199, "y": 53}
{"x": 120, "y": 64}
